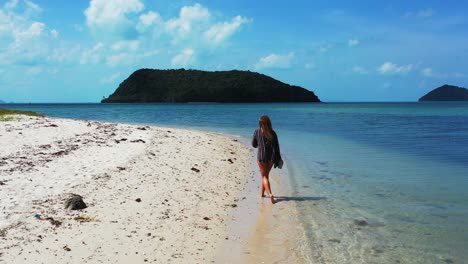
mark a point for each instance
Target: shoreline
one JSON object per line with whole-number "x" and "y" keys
{"x": 266, "y": 233}
{"x": 153, "y": 194}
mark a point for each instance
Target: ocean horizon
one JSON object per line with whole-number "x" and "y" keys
{"x": 389, "y": 178}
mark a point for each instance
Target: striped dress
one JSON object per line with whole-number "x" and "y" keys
{"x": 268, "y": 150}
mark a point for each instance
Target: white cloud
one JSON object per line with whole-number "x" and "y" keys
{"x": 147, "y": 20}
{"x": 92, "y": 55}
{"x": 123, "y": 58}
{"x": 353, "y": 42}
{"x": 189, "y": 17}
{"x": 110, "y": 16}
{"x": 359, "y": 70}
{"x": 131, "y": 45}
{"x": 430, "y": 73}
{"x": 11, "y": 4}
{"x": 391, "y": 68}
{"x": 275, "y": 61}
{"x": 33, "y": 7}
{"x": 221, "y": 31}
{"x": 325, "y": 48}
{"x": 427, "y": 72}
{"x": 54, "y": 33}
{"x": 184, "y": 58}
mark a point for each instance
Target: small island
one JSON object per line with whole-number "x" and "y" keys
{"x": 446, "y": 93}
{"x": 185, "y": 86}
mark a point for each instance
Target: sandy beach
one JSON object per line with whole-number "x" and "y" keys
{"x": 154, "y": 195}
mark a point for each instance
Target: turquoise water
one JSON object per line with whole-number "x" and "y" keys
{"x": 401, "y": 167}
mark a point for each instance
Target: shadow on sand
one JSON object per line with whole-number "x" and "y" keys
{"x": 298, "y": 199}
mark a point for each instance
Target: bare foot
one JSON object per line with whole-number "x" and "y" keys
{"x": 262, "y": 195}
{"x": 272, "y": 199}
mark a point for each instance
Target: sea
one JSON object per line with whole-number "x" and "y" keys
{"x": 374, "y": 182}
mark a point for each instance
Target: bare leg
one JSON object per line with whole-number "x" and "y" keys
{"x": 265, "y": 171}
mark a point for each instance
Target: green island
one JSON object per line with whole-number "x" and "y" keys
{"x": 185, "y": 86}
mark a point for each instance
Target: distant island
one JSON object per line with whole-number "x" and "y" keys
{"x": 446, "y": 93}
{"x": 183, "y": 86}
{"x": 2, "y": 102}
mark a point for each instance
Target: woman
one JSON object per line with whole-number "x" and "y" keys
{"x": 268, "y": 153}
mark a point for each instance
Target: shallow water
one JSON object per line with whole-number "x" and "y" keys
{"x": 401, "y": 167}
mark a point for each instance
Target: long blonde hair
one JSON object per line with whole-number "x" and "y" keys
{"x": 265, "y": 124}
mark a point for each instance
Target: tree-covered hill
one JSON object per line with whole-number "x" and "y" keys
{"x": 178, "y": 86}
{"x": 446, "y": 93}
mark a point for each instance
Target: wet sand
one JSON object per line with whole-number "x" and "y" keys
{"x": 266, "y": 233}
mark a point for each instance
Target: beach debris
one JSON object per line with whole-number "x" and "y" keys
{"x": 138, "y": 200}
{"x": 38, "y": 216}
{"x": 206, "y": 218}
{"x": 75, "y": 202}
{"x": 66, "y": 248}
{"x": 141, "y": 128}
{"x": 230, "y": 160}
{"x": 121, "y": 168}
{"x": 195, "y": 169}
{"x": 2, "y": 183}
{"x": 54, "y": 222}
{"x": 334, "y": 240}
{"x": 3, "y": 232}
{"x": 52, "y": 125}
{"x": 361, "y": 222}
{"x": 138, "y": 140}
{"x": 86, "y": 219}
{"x": 59, "y": 153}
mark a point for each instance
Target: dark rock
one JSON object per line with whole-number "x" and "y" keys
{"x": 138, "y": 140}
{"x": 66, "y": 248}
{"x": 75, "y": 202}
{"x": 361, "y": 222}
{"x": 178, "y": 86}
{"x": 195, "y": 169}
{"x": 446, "y": 93}
{"x": 206, "y": 218}
{"x": 230, "y": 160}
{"x": 141, "y": 128}
{"x": 138, "y": 200}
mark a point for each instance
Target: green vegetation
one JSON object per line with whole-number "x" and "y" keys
{"x": 182, "y": 86}
{"x": 6, "y": 114}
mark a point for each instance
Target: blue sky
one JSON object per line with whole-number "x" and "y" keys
{"x": 79, "y": 51}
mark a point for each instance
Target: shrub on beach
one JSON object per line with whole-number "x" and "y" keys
{"x": 6, "y": 114}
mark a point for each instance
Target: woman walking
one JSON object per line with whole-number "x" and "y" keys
{"x": 268, "y": 154}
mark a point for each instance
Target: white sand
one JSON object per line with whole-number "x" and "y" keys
{"x": 42, "y": 159}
